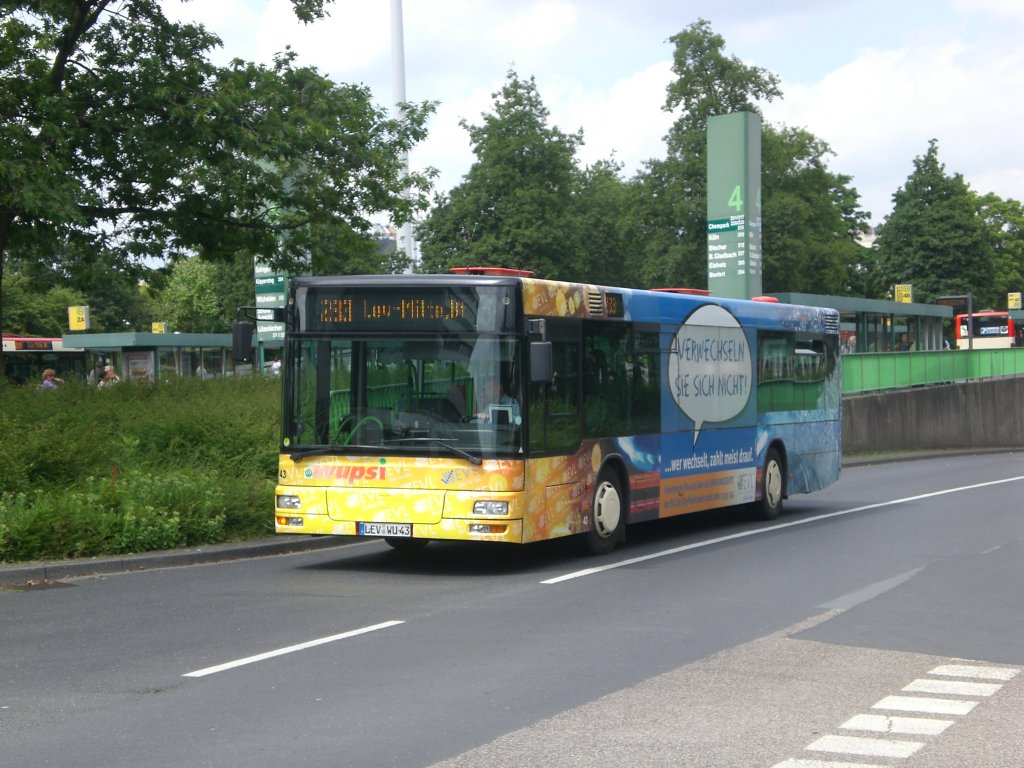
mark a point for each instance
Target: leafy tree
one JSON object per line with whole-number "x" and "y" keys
{"x": 38, "y": 312}
{"x": 235, "y": 284}
{"x": 810, "y": 216}
{"x": 190, "y": 302}
{"x": 673, "y": 210}
{"x": 107, "y": 284}
{"x": 934, "y": 237}
{"x": 513, "y": 207}
{"x": 118, "y": 135}
{"x": 1004, "y": 225}
{"x": 602, "y": 213}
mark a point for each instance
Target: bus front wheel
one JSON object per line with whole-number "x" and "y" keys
{"x": 608, "y": 515}
{"x": 773, "y": 487}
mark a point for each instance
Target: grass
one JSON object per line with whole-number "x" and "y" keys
{"x": 136, "y": 467}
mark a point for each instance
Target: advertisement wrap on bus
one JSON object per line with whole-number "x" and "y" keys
{"x": 492, "y": 406}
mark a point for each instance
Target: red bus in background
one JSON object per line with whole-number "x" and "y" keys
{"x": 985, "y": 330}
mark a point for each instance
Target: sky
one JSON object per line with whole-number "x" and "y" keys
{"x": 875, "y": 79}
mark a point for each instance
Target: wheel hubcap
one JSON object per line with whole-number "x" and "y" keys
{"x": 607, "y": 510}
{"x": 773, "y": 484}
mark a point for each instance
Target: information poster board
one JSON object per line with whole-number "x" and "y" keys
{"x": 734, "y": 205}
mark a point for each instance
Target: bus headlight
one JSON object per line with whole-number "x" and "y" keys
{"x": 288, "y": 502}
{"x": 487, "y": 507}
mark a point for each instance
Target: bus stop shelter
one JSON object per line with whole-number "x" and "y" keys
{"x": 875, "y": 325}
{"x": 155, "y": 356}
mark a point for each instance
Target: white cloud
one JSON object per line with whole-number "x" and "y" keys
{"x": 232, "y": 20}
{"x": 1000, "y": 9}
{"x": 879, "y": 112}
{"x": 624, "y": 119}
{"x": 355, "y": 36}
{"x": 874, "y": 79}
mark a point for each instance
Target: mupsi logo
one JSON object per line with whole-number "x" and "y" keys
{"x": 350, "y": 473}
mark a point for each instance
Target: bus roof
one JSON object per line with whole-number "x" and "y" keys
{"x": 554, "y": 298}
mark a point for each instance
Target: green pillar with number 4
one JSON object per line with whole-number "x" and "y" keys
{"x": 734, "y": 205}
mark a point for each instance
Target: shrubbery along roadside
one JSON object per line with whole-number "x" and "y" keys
{"x": 135, "y": 467}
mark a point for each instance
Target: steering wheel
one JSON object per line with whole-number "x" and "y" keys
{"x": 361, "y": 423}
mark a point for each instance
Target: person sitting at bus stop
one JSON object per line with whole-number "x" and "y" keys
{"x": 493, "y": 392}
{"x": 50, "y": 380}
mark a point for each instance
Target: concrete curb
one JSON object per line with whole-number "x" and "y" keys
{"x": 888, "y": 457}
{"x": 55, "y": 570}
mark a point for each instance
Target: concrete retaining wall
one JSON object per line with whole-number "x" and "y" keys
{"x": 978, "y": 414}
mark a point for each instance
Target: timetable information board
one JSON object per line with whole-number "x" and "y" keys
{"x": 734, "y": 205}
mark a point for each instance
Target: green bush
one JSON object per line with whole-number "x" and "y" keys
{"x": 135, "y": 467}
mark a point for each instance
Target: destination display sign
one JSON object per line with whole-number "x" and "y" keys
{"x": 358, "y": 308}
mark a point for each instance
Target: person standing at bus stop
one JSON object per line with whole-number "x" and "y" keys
{"x": 109, "y": 377}
{"x": 50, "y": 380}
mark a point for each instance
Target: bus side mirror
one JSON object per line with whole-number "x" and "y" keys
{"x": 540, "y": 362}
{"x": 241, "y": 341}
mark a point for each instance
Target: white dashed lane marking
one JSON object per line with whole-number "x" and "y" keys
{"x": 800, "y": 763}
{"x": 911, "y": 726}
{"x": 858, "y": 745}
{"x": 926, "y": 706}
{"x": 952, "y": 687}
{"x": 980, "y": 673}
{"x": 290, "y": 649}
{"x": 939, "y": 684}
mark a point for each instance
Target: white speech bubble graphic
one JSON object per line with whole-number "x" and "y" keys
{"x": 709, "y": 367}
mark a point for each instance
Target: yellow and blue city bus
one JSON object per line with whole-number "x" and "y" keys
{"x": 616, "y": 406}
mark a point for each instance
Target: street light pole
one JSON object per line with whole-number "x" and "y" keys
{"x": 405, "y": 236}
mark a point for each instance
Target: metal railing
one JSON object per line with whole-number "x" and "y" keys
{"x": 870, "y": 372}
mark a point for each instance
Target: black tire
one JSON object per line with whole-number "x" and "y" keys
{"x": 608, "y": 515}
{"x": 400, "y": 544}
{"x": 773, "y": 487}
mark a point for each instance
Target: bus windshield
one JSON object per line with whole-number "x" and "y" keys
{"x": 458, "y": 394}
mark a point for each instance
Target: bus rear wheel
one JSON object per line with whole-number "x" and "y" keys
{"x": 773, "y": 487}
{"x": 608, "y": 515}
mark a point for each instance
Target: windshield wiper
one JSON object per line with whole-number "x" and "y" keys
{"x": 454, "y": 449}
{"x": 322, "y": 449}
{"x": 297, "y": 455}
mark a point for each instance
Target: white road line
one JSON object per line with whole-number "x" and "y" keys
{"x": 980, "y": 673}
{"x": 953, "y": 687}
{"x": 926, "y": 705}
{"x": 290, "y": 649}
{"x": 911, "y": 726}
{"x": 800, "y": 763}
{"x": 772, "y": 528}
{"x": 870, "y": 592}
{"x": 856, "y": 745}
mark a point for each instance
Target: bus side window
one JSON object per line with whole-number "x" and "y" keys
{"x": 554, "y": 407}
{"x": 606, "y": 411}
{"x": 645, "y": 382}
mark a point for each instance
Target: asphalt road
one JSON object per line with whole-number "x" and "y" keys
{"x": 880, "y": 622}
